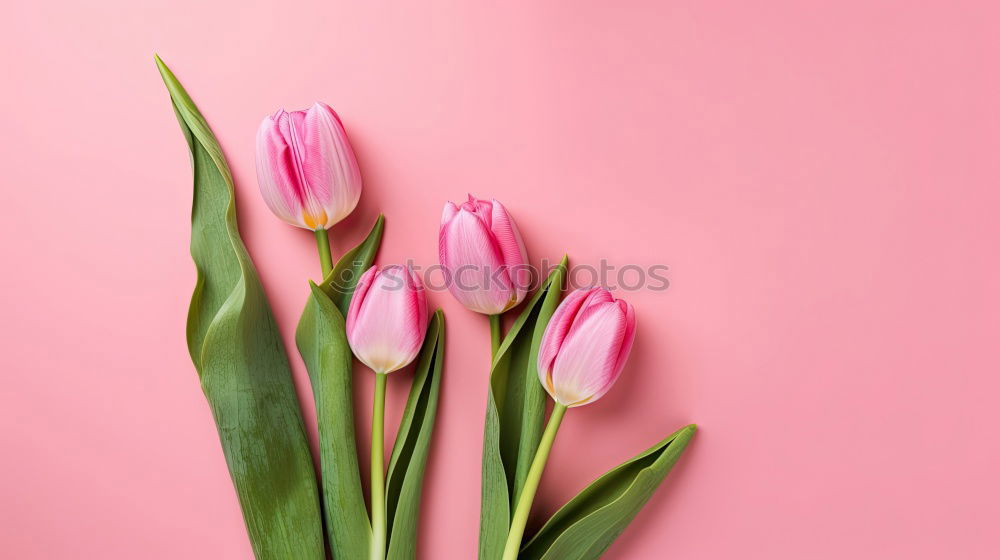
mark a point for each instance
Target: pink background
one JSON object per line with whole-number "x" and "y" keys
{"x": 820, "y": 177}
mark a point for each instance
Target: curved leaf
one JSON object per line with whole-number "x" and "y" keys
{"x": 322, "y": 341}
{"x": 241, "y": 361}
{"x": 409, "y": 453}
{"x": 340, "y": 283}
{"x": 515, "y": 412}
{"x": 587, "y": 525}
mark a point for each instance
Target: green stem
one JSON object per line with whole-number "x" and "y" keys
{"x": 520, "y": 518}
{"x": 378, "y": 472}
{"x": 325, "y": 258}
{"x": 495, "y": 335}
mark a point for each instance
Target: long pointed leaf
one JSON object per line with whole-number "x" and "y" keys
{"x": 409, "y": 453}
{"x": 515, "y": 411}
{"x": 241, "y": 361}
{"x": 322, "y": 341}
{"x": 587, "y": 525}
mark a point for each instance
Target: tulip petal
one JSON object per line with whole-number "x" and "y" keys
{"x": 627, "y": 338}
{"x": 313, "y": 213}
{"x": 360, "y": 291}
{"x": 483, "y": 255}
{"x": 584, "y": 370}
{"x": 482, "y": 208}
{"x": 471, "y": 257}
{"x": 307, "y": 171}
{"x": 448, "y": 213}
{"x": 585, "y": 346}
{"x": 555, "y": 332}
{"x": 591, "y": 305}
{"x": 275, "y": 172}
{"x": 389, "y": 320}
{"x": 420, "y": 302}
{"x": 508, "y": 238}
{"x": 329, "y": 167}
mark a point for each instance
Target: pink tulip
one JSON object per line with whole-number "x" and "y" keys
{"x": 387, "y": 319}
{"x": 585, "y": 346}
{"x": 482, "y": 253}
{"x": 306, "y": 168}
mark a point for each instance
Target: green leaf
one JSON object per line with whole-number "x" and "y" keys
{"x": 515, "y": 412}
{"x": 322, "y": 342}
{"x": 587, "y": 525}
{"x": 340, "y": 283}
{"x": 241, "y": 361}
{"x": 409, "y": 453}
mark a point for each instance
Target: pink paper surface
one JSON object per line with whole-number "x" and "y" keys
{"x": 820, "y": 177}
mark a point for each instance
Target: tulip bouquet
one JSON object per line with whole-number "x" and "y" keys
{"x": 572, "y": 351}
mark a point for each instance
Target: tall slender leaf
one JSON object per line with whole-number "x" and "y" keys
{"x": 587, "y": 525}
{"x": 322, "y": 341}
{"x": 409, "y": 453}
{"x": 515, "y": 411}
{"x": 241, "y": 361}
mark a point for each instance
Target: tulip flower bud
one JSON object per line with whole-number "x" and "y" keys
{"x": 482, "y": 253}
{"x": 306, "y": 168}
{"x": 585, "y": 346}
{"x": 387, "y": 319}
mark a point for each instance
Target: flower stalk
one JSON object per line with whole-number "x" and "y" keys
{"x": 378, "y": 469}
{"x": 323, "y": 245}
{"x": 520, "y": 518}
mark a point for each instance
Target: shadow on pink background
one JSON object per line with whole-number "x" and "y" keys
{"x": 821, "y": 179}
